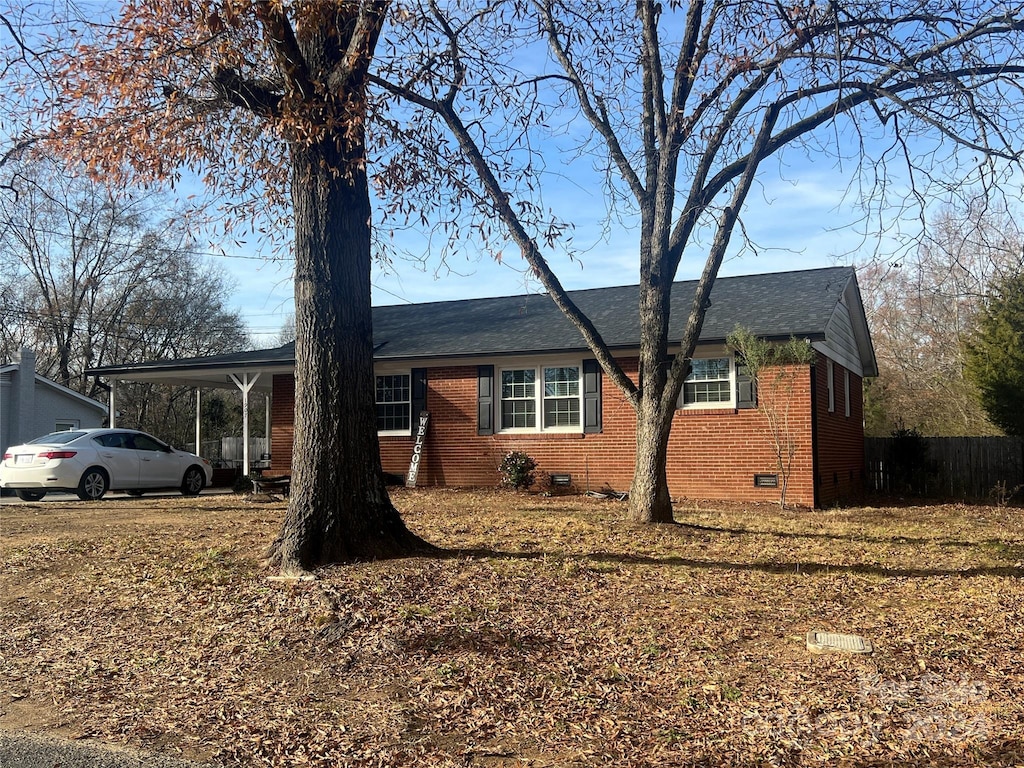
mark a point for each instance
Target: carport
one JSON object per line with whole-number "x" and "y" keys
{"x": 246, "y": 372}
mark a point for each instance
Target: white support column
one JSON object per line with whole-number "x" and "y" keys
{"x": 199, "y": 413}
{"x": 113, "y": 403}
{"x": 266, "y": 402}
{"x": 245, "y": 385}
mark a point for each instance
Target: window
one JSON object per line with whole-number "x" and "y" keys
{"x": 394, "y": 403}
{"x": 830, "y": 374}
{"x": 558, "y": 400}
{"x": 114, "y": 440}
{"x": 846, "y": 390}
{"x": 65, "y": 425}
{"x": 56, "y": 438}
{"x": 561, "y": 397}
{"x": 147, "y": 443}
{"x": 710, "y": 381}
{"x": 519, "y": 399}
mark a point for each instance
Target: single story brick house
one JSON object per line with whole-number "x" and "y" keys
{"x": 507, "y": 373}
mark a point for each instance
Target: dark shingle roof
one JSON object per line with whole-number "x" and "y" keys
{"x": 775, "y": 305}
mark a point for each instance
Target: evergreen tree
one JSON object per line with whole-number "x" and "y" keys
{"x": 995, "y": 355}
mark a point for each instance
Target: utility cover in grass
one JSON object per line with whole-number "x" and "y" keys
{"x": 821, "y": 642}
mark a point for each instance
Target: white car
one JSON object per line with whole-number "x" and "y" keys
{"x": 94, "y": 461}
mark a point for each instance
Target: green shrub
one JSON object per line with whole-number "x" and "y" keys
{"x": 516, "y": 470}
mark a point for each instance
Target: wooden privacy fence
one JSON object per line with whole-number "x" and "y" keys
{"x": 976, "y": 468}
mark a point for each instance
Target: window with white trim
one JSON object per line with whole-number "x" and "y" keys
{"x": 562, "y": 397}
{"x": 394, "y": 403}
{"x": 552, "y": 392}
{"x": 710, "y": 382}
{"x": 519, "y": 398}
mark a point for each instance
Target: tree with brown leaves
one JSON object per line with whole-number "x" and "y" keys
{"x": 267, "y": 101}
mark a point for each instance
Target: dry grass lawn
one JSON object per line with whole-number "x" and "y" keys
{"x": 553, "y": 633}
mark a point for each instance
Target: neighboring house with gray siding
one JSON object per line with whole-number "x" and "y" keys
{"x": 32, "y": 405}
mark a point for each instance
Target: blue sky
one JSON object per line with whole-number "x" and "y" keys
{"x": 805, "y": 220}
{"x": 802, "y": 214}
{"x": 799, "y": 218}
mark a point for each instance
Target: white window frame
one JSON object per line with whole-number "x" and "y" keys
{"x": 681, "y": 403}
{"x": 830, "y": 376}
{"x": 846, "y": 390}
{"x": 66, "y": 425}
{"x": 408, "y": 403}
{"x": 538, "y": 395}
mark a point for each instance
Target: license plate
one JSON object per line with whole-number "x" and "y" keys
{"x": 25, "y": 458}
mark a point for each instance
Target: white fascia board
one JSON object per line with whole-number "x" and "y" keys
{"x": 211, "y": 378}
{"x": 836, "y": 355}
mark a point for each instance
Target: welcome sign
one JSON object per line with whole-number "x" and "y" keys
{"x": 417, "y": 450}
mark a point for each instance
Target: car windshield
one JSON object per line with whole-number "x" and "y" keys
{"x": 57, "y": 438}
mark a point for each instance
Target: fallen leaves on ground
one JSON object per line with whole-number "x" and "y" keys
{"x": 551, "y": 633}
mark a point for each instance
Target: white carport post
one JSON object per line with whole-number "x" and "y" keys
{"x": 266, "y": 422}
{"x": 113, "y": 403}
{"x": 245, "y": 384}
{"x": 199, "y": 413}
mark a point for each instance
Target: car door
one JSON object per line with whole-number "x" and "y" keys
{"x": 159, "y": 467}
{"x": 119, "y": 458}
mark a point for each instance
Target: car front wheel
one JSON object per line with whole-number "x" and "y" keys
{"x": 93, "y": 485}
{"x": 30, "y": 495}
{"x": 193, "y": 482}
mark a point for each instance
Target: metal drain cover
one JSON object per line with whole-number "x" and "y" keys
{"x": 821, "y": 642}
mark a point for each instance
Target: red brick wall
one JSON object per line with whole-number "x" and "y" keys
{"x": 840, "y": 438}
{"x": 713, "y": 453}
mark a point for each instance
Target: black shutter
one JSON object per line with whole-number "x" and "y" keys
{"x": 419, "y": 393}
{"x": 591, "y": 396}
{"x": 746, "y": 386}
{"x": 485, "y": 400}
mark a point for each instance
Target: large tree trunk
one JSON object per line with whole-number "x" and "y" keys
{"x": 649, "y": 499}
{"x": 339, "y": 507}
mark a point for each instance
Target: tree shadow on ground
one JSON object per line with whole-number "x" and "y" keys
{"x": 941, "y": 541}
{"x": 780, "y": 568}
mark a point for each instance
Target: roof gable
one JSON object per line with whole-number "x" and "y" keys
{"x": 11, "y": 369}
{"x": 70, "y": 393}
